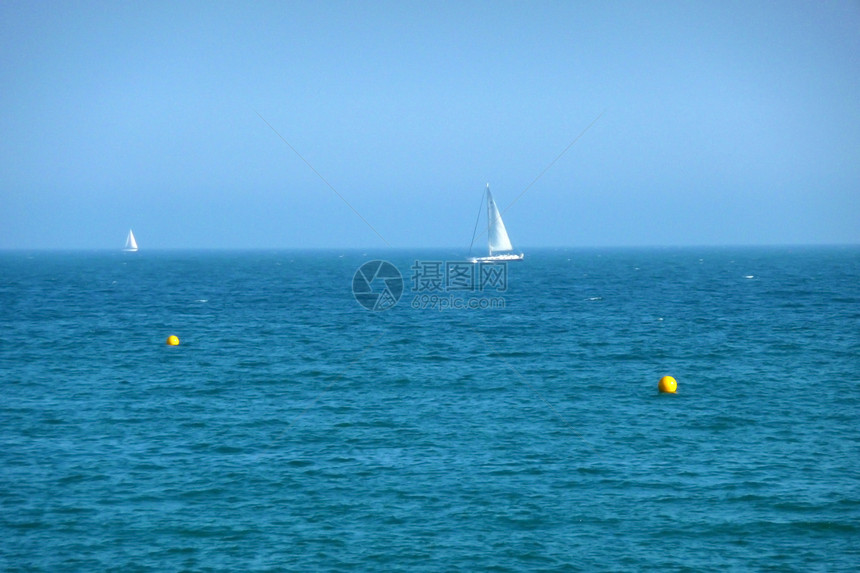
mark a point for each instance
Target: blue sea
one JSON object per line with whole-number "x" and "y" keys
{"x": 498, "y": 421}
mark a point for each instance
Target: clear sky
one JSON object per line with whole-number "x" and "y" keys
{"x": 723, "y": 123}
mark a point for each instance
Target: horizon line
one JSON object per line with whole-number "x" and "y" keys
{"x": 426, "y": 248}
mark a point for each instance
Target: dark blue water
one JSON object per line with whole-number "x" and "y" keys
{"x": 293, "y": 430}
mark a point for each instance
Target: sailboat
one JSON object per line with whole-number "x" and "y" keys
{"x": 130, "y": 243}
{"x": 498, "y": 243}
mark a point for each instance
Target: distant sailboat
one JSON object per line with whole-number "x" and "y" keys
{"x": 130, "y": 243}
{"x": 498, "y": 243}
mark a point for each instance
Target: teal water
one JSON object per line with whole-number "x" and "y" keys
{"x": 293, "y": 430}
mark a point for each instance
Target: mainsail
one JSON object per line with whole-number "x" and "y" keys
{"x": 130, "y": 243}
{"x": 498, "y": 235}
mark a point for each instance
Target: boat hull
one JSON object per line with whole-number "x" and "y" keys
{"x": 497, "y": 258}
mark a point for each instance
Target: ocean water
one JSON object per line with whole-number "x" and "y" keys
{"x": 294, "y": 430}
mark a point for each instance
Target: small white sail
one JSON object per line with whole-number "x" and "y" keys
{"x": 130, "y": 243}
{"x": 498, "y": 235}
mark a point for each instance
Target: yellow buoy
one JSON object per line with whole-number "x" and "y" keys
{"x": 667, "y": 384}
{"x": 173, "y": 340}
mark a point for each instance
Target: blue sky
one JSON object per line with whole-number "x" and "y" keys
{"x": 723, "y": 123}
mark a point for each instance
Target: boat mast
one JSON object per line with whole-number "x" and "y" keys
{"x": 489, "y": 221}
{"x": 477, "y": 220}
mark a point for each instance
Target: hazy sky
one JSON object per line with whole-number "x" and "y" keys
{"x": 723, "y": 123}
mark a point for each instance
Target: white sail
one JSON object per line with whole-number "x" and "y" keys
{"x": 130, "y": 243}
{"x": 498, "y": 235}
